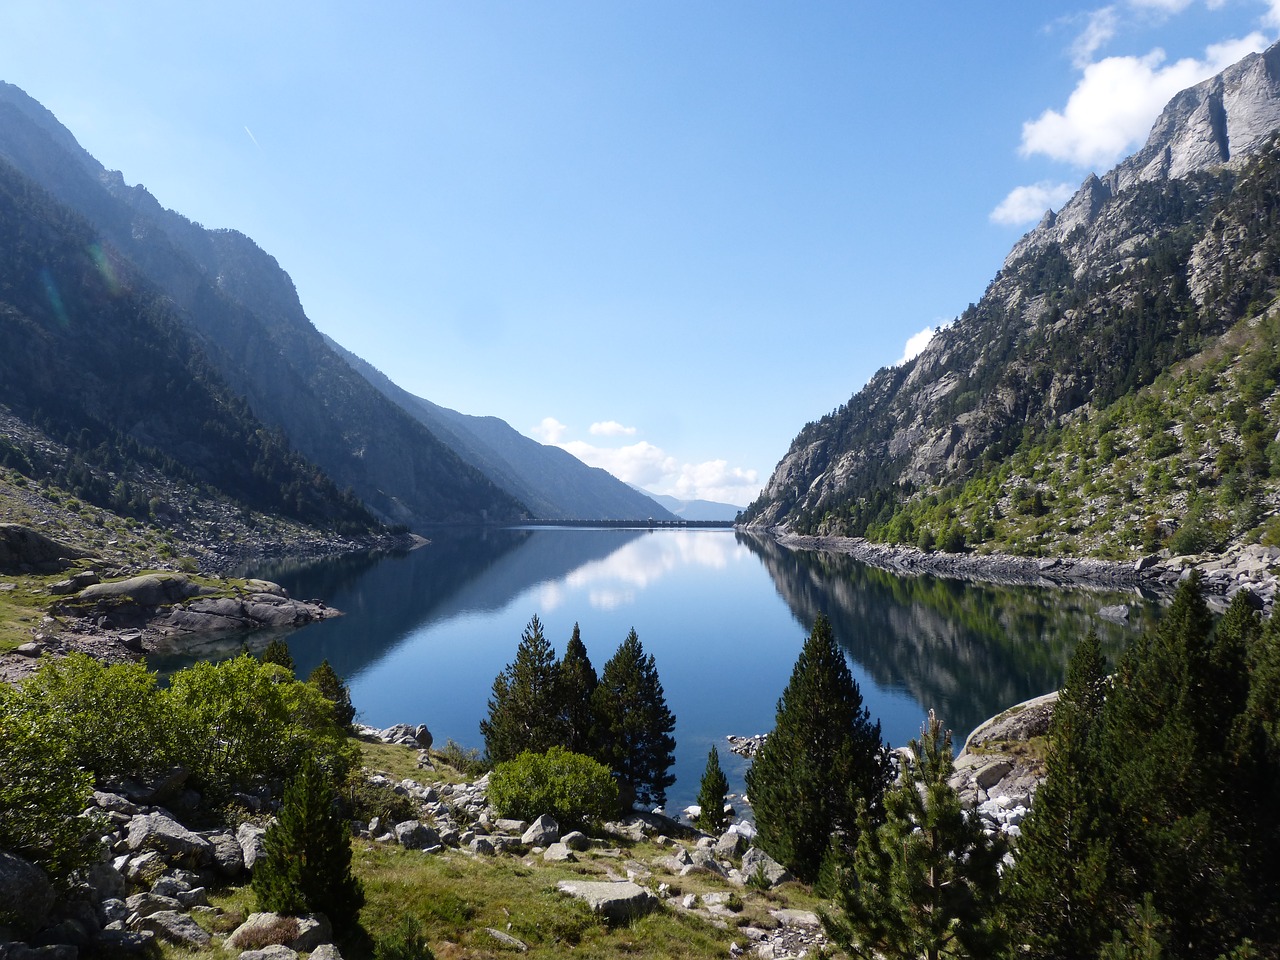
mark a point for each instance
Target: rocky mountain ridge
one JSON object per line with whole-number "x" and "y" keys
{"x": 1137, "y": 273}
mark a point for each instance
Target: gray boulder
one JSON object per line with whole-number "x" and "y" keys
{"x": 302, "y": 934}
{"x": 416, "y": 835}
{"x": 755, "y": 862}
{"x": 616, "y": 902}
{"x": 176, "y": 928}
{"x": 228, "y": 857}
{"x": 26, "y": 895}
{"x": 155, "y": 831}
{"x": 249, "y": 836}
{"x": 275, "y": 951}
{"x": 576, "y": 840}
{"x": 729, "y": 845}
{"x": 542, "y": 832}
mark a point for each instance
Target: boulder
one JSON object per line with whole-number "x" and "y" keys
{"x": 757, "y": 863}
{"x": 23, "y": 550}
{"x": 303, "y": 934}
{"x": 507, "y": 940}
{"x": 249, "y": 836}
{"x": 576, "y": 840}
{"x": 275, "y": 951}
{"x": 228, "y": 857}
{"x": 26, "y": 895}
{"x": 559, "y": 853}
{"x": 616, "y": 902}
{"x": 415, "y": 835}
{"x": 145, "y": 904}
{"x": 176, "y": 928}
{"x": 542, "y": 832}
{"x": 155, "y": 831}
{"x": 729, "y": 845}
{"x": 113, "y": 943}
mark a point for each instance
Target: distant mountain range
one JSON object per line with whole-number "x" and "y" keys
{"x": 1114, "y": 390}
{"x": 232, "y": 321}
{"x": 695, "y": 509}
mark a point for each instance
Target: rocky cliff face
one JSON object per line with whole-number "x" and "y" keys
{"x": 1101, "y": 297}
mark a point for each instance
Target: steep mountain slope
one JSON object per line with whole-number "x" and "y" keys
{"x": 1142, "y": 269}
{"x": 553, "y": 483}
{"x": 256, "y": 334}
{"x": 96, "y": 355}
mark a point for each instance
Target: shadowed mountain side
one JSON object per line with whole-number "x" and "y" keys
{"x": 955, "y": 646}
{"x": 462, "y": 571}
{"x": 551, "y": 482}
{"x": 254, "y": 330}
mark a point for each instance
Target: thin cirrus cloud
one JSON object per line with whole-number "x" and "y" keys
{"x": 646, "y": 465}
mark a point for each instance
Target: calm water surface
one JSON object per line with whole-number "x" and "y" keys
{"x": 723, "y": 613}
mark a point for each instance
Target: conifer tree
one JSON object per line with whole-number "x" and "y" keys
{"x": 277, "y": 652}
{"x": 711, "y": 794}
{"x": 823, "y": 758}
{"x": 336, "y": 691}
{"x": 635, "y": 725}
{"x": 1061, "y": 889}
{"x": 924, "y": 883}
{"x": 525, "y": 710}
{"x": 306, "y": 863}
{"x": 1178, "y": 696}
{"x": 578, "y": 682}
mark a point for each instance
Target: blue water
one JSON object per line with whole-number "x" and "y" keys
{"x": 724, "y": 615}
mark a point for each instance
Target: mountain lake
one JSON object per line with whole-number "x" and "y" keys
{"x": 723, "y": 612}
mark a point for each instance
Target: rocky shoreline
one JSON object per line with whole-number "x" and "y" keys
{"x": 1245, "y": 567}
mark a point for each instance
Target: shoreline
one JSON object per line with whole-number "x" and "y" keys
{"x": 1250, "y": 567}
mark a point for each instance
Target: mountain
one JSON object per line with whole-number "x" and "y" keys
{"x": 244, "y": 312}
{"x": 696, "y": 509}
{"x": 553, "y": 483}
{"x": 95, "y": 357}
{"x": 1116, "y": 378}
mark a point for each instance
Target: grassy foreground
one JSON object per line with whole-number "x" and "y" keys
{"x": 458, "y": 897}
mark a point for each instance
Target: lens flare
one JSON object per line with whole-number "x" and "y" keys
{"x": 55, "y": 298}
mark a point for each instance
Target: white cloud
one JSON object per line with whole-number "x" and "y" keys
{"x": 1272, "y": 17}
{"x": 1028, "y": 204}
{"x": 915, "y": 345}
{"x": 1117, "y": 99}
{"x": 1099, "y": 29}
{"x": 649, "y": 466}
{"x": 550, "y": 430}
{"x": 611, "y": 428}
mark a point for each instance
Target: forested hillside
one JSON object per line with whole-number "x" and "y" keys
{"x": 95, "y": 357}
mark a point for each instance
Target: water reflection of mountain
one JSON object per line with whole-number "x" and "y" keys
{"x": 460, "y": 572}
{"x": 965, "y": 649}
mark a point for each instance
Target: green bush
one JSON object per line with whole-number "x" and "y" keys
{"x": 247, "y": 723}
{"x": 573, "y": 789}
{"x": 111, "y": 718}
{"x": 404, "y": 942}
{"x": 42, "y": 792}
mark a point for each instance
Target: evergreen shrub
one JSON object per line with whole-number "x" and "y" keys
{"x": 573, "y": 789}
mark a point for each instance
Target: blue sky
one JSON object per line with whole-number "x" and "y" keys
{"x": 662, "y": 234}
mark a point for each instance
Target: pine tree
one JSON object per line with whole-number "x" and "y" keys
{"x": 1061, "y": 889}
{"x": 635, "y": 725}
{"x": 306, "y": 863}
{"x": 823, "y": 758}
{"x": 525, "y": 710}
{"x": 277, "y": 652}
{"x": 711, "y": 794}
{"x": 1178, "y": 696}
{"x": 925, "y": 882}
{"x": 578, "y": 682}
{"x": 336, "y": 691}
